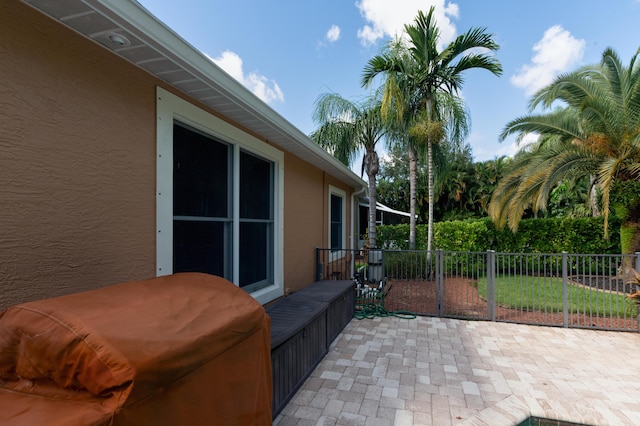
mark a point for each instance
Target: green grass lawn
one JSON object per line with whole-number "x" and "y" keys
{"x": 545, "y": 294}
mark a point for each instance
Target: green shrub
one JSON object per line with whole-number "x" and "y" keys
{"x": 534, "y": 237}
{"x": 406, "y": 265}
{"x": 553, "y": 235}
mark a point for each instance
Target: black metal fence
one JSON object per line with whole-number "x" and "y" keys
{"x": 562, "y": 289}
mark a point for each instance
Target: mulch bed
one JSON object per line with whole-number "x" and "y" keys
{"x": 616, "y": 284}
{"x": 460, "y": 299}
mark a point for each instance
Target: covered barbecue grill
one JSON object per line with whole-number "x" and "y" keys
{"x": 188, "y": 348}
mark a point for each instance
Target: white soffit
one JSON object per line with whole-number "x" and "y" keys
{"x": 151, "y": 45}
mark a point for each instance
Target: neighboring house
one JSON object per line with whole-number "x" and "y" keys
{"x": 126, "y": 154}
{"x": 384, "y": 216}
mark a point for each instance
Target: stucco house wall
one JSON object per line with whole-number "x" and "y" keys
{"x": 78, "y": 168}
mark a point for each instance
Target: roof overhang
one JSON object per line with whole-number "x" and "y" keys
{"x": 131, "y": 32}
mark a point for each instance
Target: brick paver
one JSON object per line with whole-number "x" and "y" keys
{"x": 433, "y": 371}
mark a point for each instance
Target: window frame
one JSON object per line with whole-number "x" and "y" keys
{"x": 334, "y": 191}
{"x": 171, "y": 108}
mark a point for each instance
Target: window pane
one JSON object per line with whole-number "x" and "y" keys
{"x": 256, "y": 187}
{"x": 336, "y": 208}
{"x": 200, "y": 174}
{"x": 200, "y": 247}
{"x": 336, "y": 236}
{"x": 256, "y": 239}
{"x": 336, "y": 222}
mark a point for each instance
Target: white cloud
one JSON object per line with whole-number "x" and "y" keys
{"x": 508, "y": 149}
{"x": 485, "y": 149}
{"x": 558, "y": 51}
{"x": 333, "y": 34}
{"x": 385, "y": 18}
{"x": 495, "y": 150}
{"x": 265, "y": 89}
{"x": 527, "y": 140}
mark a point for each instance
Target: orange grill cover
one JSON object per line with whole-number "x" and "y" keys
{"x": 188, "y": 348}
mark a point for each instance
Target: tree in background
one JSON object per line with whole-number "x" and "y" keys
{"x": 421, "y": 82}
{"x": 570, "y": 199}
{"x": 393, "y": 179}
{"x": 462, "y": 188}
{"x": 344, "y": 129}
{"x": 594, "y": 135}
{"x": 453, "y": 171}
{"x": 487, "y": 174}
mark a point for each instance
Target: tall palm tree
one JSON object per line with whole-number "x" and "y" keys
{"x": 595, "y": 134}
{"x": 418, "y": 79}
{"x": 346, "y": 128}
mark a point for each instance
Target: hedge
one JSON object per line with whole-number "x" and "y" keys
{"x": 553, "y": 235}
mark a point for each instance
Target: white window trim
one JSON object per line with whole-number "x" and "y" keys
{"x": 339, "y": 254}
{"x": 171, "y": 107}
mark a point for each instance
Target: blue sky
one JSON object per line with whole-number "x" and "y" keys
{"x": 289, "y": 52}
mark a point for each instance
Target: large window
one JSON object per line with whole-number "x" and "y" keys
{"x": 219, "y": 200}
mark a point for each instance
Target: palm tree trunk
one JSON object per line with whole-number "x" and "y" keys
{"x": 629, "y": 237}
{"x": 429, "y": 270}
{"x": 430, "y": 189}
{"x": 372, "y": 211}
{"x": 372, "y": 165}
{"x": 593, "y": 197}
{"x": 413, "y": 161}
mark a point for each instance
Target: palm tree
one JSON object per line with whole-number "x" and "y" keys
{"x": 347, "y": 127}
{"x": 487, "y": 176}
{"x": 421, "y": 86}
{"x": 594, "y": 135}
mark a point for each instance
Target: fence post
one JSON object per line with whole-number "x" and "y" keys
{"x": 439, "y": 282}
{"x": 565, "y": 290}
{"x": 637, "y": 305}
{"x": 491, "y": 284}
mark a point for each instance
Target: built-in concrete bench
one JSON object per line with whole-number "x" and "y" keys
{"x": 303, "y": 325}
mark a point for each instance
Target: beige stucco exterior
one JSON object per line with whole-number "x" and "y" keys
{"x": 78, "y": 168}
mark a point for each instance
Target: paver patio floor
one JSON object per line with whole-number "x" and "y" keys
{"x": 434, "y": 371}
